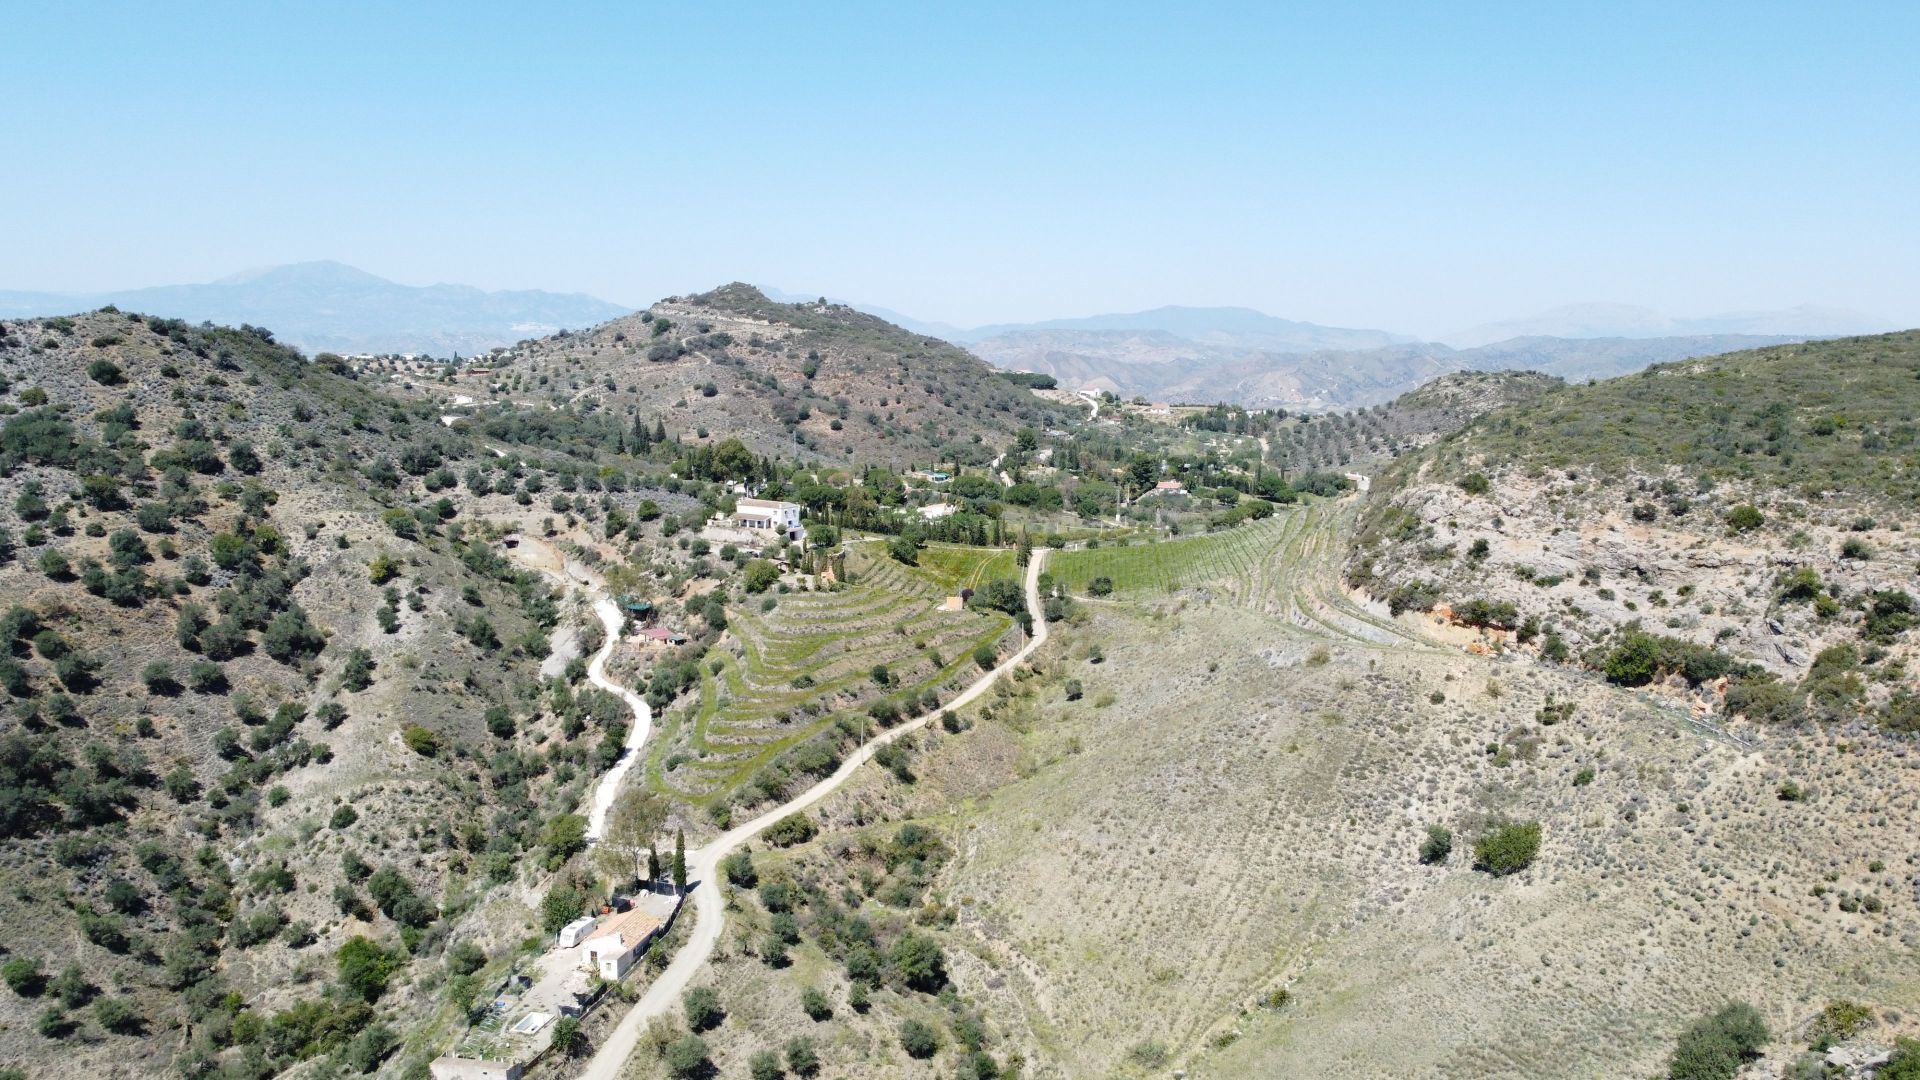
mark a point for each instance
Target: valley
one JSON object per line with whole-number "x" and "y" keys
{"x": 1482, "y": 732}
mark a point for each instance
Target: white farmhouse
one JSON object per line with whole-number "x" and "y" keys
{"x": 780, "y": 520}
{"x": 618, "y": 943}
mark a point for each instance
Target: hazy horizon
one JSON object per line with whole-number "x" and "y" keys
{"x": 1415, "y": 171}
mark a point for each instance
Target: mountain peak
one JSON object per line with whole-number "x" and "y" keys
{"x": 317, "y": 272}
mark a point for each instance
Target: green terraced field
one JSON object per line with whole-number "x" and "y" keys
{"x": 1167, "y": 565}
{"x": 1287, "y": 566}
{"x": 954, "y": 567}
{"x": 789, "y": 674}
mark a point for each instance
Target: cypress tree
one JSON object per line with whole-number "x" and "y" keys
{"x": 679, "y": 859}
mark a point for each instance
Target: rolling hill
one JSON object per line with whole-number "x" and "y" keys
{"x": 817, "y": 381}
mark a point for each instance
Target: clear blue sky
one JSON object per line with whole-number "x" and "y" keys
{"x": 1410, "y": 166}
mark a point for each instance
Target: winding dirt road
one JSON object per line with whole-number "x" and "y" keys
{"x": 549, "y": 560}
{"x": 609, "y": 786}
{"x": 703, "y": 864}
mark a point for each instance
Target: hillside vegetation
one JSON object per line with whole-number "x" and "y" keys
{"x": 821, "y": 381}
{"x": 1742, "y": 525}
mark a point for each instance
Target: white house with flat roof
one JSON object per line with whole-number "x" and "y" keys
{"x": 779, "y": 520}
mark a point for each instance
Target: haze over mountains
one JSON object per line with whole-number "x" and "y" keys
{"x": 1246, "y": 357}
{"x": 1175, "y": 353}
{"x": 329, "y": 306}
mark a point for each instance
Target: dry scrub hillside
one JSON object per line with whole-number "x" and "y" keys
{"x": 269, "y": 688}
{"x": 1192, "y": 839}
{"x": 1683, "y": 523}
{"x": 820, "y": 381}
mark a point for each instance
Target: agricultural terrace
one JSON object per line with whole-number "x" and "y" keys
{"x": 1138, "y": 567}
{"x": 954, "y": 567}
{"x": 796, "y": 683}
{"x": 1285, "y": 566}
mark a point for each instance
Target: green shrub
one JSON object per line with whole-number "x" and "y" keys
{"x": 790, "y": 830}
{"x": 702, "y": 1005}
{"x": 738, "y": 869}
{"x": 1507, "y": 849}
{"x": 760, "y": 574}
{"x": 918, "y": 961}
{"x": 765, "y": 1064}
{"x": 687, "y": 1059}
{"x": 23, "y": 976}
{"x": 918, "y": 1040}
{"x": 364, "y": 968}
{"x": 1745, "y": 518}
{"x": 562, "y": 904}
{"x": 1437, "y": 846}
{"x": 1716, "y": 1047}
{"x": 802, "y": 1058}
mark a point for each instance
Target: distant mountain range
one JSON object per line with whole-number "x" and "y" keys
{"x": 1191, "y": 354}
{"x": 1164, "y": 368}
{"x": 328, "y": 306}
{"x": 1238, "y": 355}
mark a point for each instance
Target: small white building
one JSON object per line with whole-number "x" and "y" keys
{"x": 936, "y": 511}
{"x": 621, "y": 939}
{"x": 779, "y": 520}
{"x": 1169, "y": 487}
{"x": 576, "y": 931}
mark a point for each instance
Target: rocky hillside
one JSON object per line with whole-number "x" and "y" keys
{"x": 274, "y": 723}
{"x": 817, "y": 381}
{"x": 1742, "y": 527}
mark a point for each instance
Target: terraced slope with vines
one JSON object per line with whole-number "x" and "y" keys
{"x": 842, "y": 659}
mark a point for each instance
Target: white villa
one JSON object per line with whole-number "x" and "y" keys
{"x": 781, "y": 519}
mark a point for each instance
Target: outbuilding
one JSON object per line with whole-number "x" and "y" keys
{"x": 576, "y": 932}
